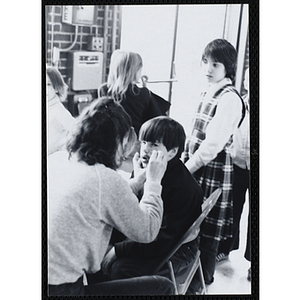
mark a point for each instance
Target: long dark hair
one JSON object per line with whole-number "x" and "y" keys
{"x": 99, "y": 130}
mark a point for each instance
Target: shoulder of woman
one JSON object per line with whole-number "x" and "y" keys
{"x": 110, "y": 177}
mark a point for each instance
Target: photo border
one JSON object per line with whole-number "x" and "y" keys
{"x": 254, "y": 154}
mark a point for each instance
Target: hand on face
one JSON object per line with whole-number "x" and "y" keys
{"x": 146, "y": 149}
{"x": 138, "y": 168}
{"x": 157, "y": 166}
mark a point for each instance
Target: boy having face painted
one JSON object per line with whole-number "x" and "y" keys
{"x": 182, "y": 198}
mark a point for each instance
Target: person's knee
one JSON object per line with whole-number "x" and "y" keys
{"x": 125, "y": 268}
{"x": 117, "y": 270}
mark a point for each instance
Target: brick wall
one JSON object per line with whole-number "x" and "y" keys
{"x": 62, "y": 35}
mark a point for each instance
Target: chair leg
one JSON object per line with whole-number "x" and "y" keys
{"x": 202, "y": 279}
{"x": 172, "y": 276}
{"x": 184, "y": 287}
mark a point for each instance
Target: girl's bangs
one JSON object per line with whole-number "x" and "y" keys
{"x": 213, "y": 55}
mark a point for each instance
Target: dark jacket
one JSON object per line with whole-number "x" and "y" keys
{"x": 182, "y": 198}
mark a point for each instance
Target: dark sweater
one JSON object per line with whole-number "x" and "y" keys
{"x": 182, "y": 198}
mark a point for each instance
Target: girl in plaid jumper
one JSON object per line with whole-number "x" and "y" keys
{"x": 206, "y": 152}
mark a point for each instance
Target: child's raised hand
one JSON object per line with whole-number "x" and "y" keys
{"x": 156, "y": 167}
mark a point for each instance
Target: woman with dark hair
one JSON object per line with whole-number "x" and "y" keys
{"x": 88, "y": 198}
{"x": 206, "y": 154}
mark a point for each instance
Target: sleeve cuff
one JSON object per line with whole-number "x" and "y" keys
{"x": 152, "y": 187}
{"x": 194, "y": 164}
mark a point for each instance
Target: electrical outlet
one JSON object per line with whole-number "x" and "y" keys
{"x": 95, "y": 43}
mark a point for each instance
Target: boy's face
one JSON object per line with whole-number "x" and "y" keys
{"x": 147, "y": 148}
{"x": 213, "y": 71}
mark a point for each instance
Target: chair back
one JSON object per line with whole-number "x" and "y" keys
{"x": 193, "y": 232}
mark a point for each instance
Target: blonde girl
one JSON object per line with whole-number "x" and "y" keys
{"x": 124, "y": 73}
{"x": 125, "y": 70}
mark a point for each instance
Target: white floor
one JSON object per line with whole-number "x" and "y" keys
{"x": 231, "y": 275}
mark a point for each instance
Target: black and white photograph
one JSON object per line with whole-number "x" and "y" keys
{"x": 150, "y": 128}
{"x": 88, "y": 181}
{"x": 57, "y": 238}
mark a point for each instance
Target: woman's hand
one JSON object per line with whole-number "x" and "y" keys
{"x": 108, "y": 260}
{"x": 157, "y": 166}
{"x": 139, "y": 171}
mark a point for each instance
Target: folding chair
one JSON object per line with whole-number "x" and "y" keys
{"x": 183, "y": 279}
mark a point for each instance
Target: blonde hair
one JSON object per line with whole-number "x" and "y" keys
{"x": 57, "y": 82}
{"x": 123, "y": 70}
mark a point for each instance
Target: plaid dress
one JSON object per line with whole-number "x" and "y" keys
{"x": 217, "y": 173}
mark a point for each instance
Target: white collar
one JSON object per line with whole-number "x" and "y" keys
{"x": 216, "y": 86}
{"x": 54, "y": 101}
